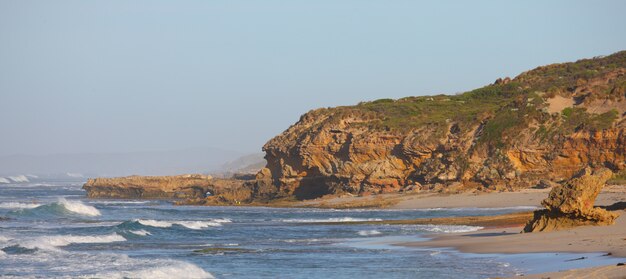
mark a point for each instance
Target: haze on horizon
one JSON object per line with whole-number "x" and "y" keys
{"x": 107, "y": 77}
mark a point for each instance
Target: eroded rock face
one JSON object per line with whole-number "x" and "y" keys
{"x": 571, "y": 204}
{"x": 514, "y": 142}
{"x": 150, "y": 187}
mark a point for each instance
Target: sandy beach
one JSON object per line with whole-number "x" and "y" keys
{"x": 508, "y": 239}
{"x": 611, "y": 194}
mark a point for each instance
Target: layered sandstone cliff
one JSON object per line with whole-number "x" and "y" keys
{"x": 544, "y": 124}
{"x": 541, "y": 126}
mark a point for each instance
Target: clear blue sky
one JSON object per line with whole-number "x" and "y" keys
{"x": 119, "y": 76}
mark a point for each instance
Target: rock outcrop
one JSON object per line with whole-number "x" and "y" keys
{"x": 499, "y": 137}
{"x": 544, "y": 124}
{"x": 572, "y": 204}
{"x": 188, "y": 189}
{"x": 150, "y": 187}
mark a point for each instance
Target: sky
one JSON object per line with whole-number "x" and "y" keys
{"x": 148, "y": 75}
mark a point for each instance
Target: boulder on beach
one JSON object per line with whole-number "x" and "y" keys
{"x": 571, "y": 204}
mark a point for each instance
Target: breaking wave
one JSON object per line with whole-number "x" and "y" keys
{"x": 194, "y": 225}
{"x": 19, "y": 179}
{"x": 74, "y": 174}
{"x": 18, "y": 205}
{"x": 4, "y": 180}
{"x": 56, "y": 263}
{"x": 79, "y": 208}
{"x": 61, "y": 207}
{"x": 171, "y": 270}
{"x": 447, "y": 228}
{"x": 330, "y": 220}
{"x": 54, "y": 241}
{"x": 114, "y": 202}
{"x": 141, "y": 232}
{"x": 368, "y": 233}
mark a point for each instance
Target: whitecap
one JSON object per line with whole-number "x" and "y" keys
{"x": 141, "y": 232}
{"x": 307, "y": 240}
{"x": 18, "y": 205}
{"x": 4, "y": 180}
{"x": 55, "y": 263}
{"x": 53, "y": 241}
{"x": 79, "y": 207}
{"x": 330, "y": 220}
{"x": 447, "y": 228}
{"x": 19, "y": 178}
{"x": 155, "y": 223}
{"x": 222, "y": 220}
{"x": 368, "y": 233}
{"x": 171, "y": 270}
{"x": 194, "y": 225}
{"x": 74, "y": 175}
{"x": 119, "y": 202}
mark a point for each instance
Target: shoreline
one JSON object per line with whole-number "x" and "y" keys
{"x": 499, "y": 236}
{"x": 581, "y": 241}
{"x": 610, "y": 194}
{"x": 507, "y": 239}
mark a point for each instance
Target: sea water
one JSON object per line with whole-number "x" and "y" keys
{"x": 54, "y": 231}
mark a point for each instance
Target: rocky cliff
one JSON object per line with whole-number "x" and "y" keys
{"x": 546, "y": 123}
{"x": 541, "y": 126}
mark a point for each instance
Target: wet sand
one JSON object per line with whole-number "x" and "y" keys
{"x": 502, "y": 234}
{"x": 527, "y": 197}
{"x": 600, "y": 272}
{"x": 508, "y": 240}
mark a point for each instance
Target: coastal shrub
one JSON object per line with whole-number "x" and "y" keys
{"x": 578, "y": 119}
{"x": 494, "y": 129}
{"x": 618, "y": 178}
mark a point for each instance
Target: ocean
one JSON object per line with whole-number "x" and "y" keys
{"x": 54, "y": 231}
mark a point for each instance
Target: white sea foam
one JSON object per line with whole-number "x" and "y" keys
{"x": 330, "y": 220}
{"x": 141, "y": 232}
{"x": 521, "y": 207}
{"x": 308, "y": 240}
{"x": 79, "y": 207}
{"x": 74, "y": 175}
{"x": 53, "y": 241}
{"x": 70, "y": 264}
{"x": 18, "y": 205}
{"x": 194, "y": 225}
{"x": 41, "y": 184}
{"x": 171, "y": 270}
{"x": 120, "y": 202}
{"x": 447, "y": 228}
{"x": 155, "y": 223}
{"x": 368, "y": 233}
{"x": 19, "y": 178}
{"x": 4, "y": 180}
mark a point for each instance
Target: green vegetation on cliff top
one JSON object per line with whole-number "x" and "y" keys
{"x": 507, "y": 107}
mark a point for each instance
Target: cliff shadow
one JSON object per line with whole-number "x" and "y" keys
{"x": 311, "y": 188}
{"x": 615, "y": 207}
